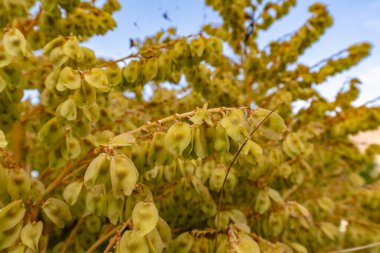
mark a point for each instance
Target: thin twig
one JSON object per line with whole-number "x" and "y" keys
{"x": 228, "y": 171}
{"x": 101, "y": 240}
{"x": 72, "y": 234}
{"x": 368, "y": 246}
{"x": 117, "y": 236}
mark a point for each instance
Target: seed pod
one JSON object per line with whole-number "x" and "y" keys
{"x": 68, "y": 78}
{"x": 58, "y": 57}
{"x": 275, "y": 196}
{"x": 5, "y": 58}
{"x": 14, "y": 43}
{"x": 11, "y": 215}
{"x": 91, "y": 112}
{"x": 326, "y": 203}
{"x": 273, "y": 127}
{"x": 202, "y": 116}
{"x": 253, "y": 152}
{"x": 97, "y": 78}
{"x": 262, "y": 203}
{"x": 215, "y": 46}
{"x": 114, "y": 208}
{"x": 237, "y": 216}
{"x": 97, "y": 171}
{"x": 197, "y": 47}
{"x": 52, "y": 79}
{"x": 233, "y": 123}
{"x": 72, "y": 148}
{"x": 131, "y": 242}
{"x": 144, "y": 217}
{"x": 89, "y": 58}
{"x": 298, "y": 248}
{"x": 96, "y": 202}
{"x": 114, "y": 75}
{"x": 158, "y": 153}
{"x": 164, "y": 230}
{"x": 124, "y": 176}
{"x": 330, "y": 230}
{"x": 53, "y": 44}
{"x": 3, "y": 84}
{"x": 164, "y": 65}
{"x": 71, "y": 192}
{"x": 93, "y": 224}
{"x": 217, "y": 177}
{"x": 122, "y": 140}
{"x": 19, "y": 183}
{"x": 207, "y": 205}
{"x": 19, "y": 248}
{"x": 131, "y": 72}
{"x": 57, "y": 211}
{"x": 183, "y": 243}
{"x": 200, "y": 142}
{"x": 10, "y": 236}
{"x": 68, "y": 109}
{"x": 292, "y": 145}
{"x": 3, "y": 141}
{"x": 178, "y": 138}
{"x": 51, "y": 132}
{"x": 276, "y": 223}
{"x": 150, "y": 69}
{"x": 246, "y": 244}
{"x": 221, "y": 144}
{"x": 72, "y": 49}
{"x": 155, "y": 242}
{"x": 30, "y": 235}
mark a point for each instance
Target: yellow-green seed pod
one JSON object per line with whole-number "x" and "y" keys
{"x": 97, "y": 171}
{"x": 183, "y": 243}
{"x": 14, "y": 43}
{"x": 276, "y": 223}
{"x": 72, "y": 49}
{"x": 158, "y": 153}
{"x": 3, "y": 141}
{"x": 273, "y": 127}
{"x": 131, "y": 242}
{"x": 246, "y": 244}
{"x": 53, "y": 44}
{"x": 124, "y": 176}
{"x": 122, "y": 140}
{"x": 5, "y": 58}
{"x": 200, "y": 142}
{"x": 326, "y": 204}
{"x": 52, "y": 79}
{"x": 298, "y": 248}
{"x": 10, "y": 236}
{"x": 19, "y": 248}
{"x": 97, "y": 78}
{"x": 50, "y": 132}
{"x": 72, "y": 148}
{"x": 262, "y": 203}
{"x": 292, "y": 145}
{"x": 58, "y": 57}
{"x": 222, "y": 143}
{"x": 150, "y": 69}
{"x": 164, "y": 230}
{"x": 114, "y": 75}
{"x": 3, "y": 84}
{"x": 57, "y": 211}
{"x": 197, "y": 47}
{"x": 31, "y": 234}
{"x": 19, "y": 183}
{"x": 164, "y": 65}
{"x": 93, "y": 224}
{"x": 114, "y": 208}
{"x": 233, "y": 123}
{"x": 144, "y": 217}
{"x": 11, "y": 215}
{"x": 155, "y": 242}
{"x": 178, "y": 138}
{"x": 68, "y": 78}
{"x": 68, "y": 109}
{"x": 253, "y": 152}
{"x": 132, "y": 71}
{"x": 71, "y": 192}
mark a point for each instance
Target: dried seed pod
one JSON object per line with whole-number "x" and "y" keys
{"x": 132, "y": 71}
{"x": 246, "y": 244}
{"x": 158, "y": 153}
{"x": 124, "y": 176}
{"x": 114, "y": 208}
{"x": 72, "y": 49}
{"x": 97, "y": 171}
{"x": 114, "y": 75}
{"x": 14, "y": 43}
{"x": 68, "y": 78}
{"x": 10, "y": 236}
{"x": 273, "y": 127}
{"x": 178, "y": 138}
{"x": 3, "y": 141}
{"x": 150, "y": 69}
{"x": 131, "y": 242}
{"x": 58, "y": 57}
{"x": 31, "y": 234}
{"x": 97, "y": 78}
{"x": 262, "y": 203}
{"x": 68, "y": 109}
{"x": 57, "y": 211}
{"x": 11, "y": 215}
{"x": 71, "y": 192}
{"x": 122, "y": 140}
{"x": 144, "y": 217}
{"x": 197, "y": 47}
{"x": 292, "y": 145}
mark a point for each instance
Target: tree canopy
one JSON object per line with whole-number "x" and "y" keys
{"x": 221, "y": 163}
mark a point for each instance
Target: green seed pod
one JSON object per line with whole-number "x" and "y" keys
{"x": 53, "y": 44}
{"x": 11, "y": 215}
{"x": 202, "y": 116}
{"x": 5, "y": 58}
{"x": 3, "y": 141}
{"x": 246, "y": 244}
{"x": 57, "y": 211}
{"x": 273, "y": 127}
{"x": 298, "y": 248}
{"x": 30, "y": 235}
{"x": 178, "y": 138}
{"x": 124, "y": 176}
{"x": 68, "y": 109}
{"x": 10, "y": 236}
{"x": 89, "y": 58}
{"x": 275, "y": 196}
{"x": 330, "y": 230}
{"x": 132, "y": 71}
{"x": 96, "y": 201}
{"x": 155, "y": 242}
{"x": 164, "y": 65}
{"x": 326, "y": 204}
{"x": 91, "y": 112}
{"x": 97, "y": 78}
{"x": 50, "y": 132}
{"x": 292, "y": 145}
{"x": 3, "y": 84}
{"x": 150, "y": 69}
{"x": 262, "y": 203}
{"x": 52, "y": 79}
{"x": 72, "y": 49}
{"x": 207, "y": 205}
{"x": 114, "y": 208}
{"x": 131, "y": 242}
{"x": 58, "y": 57}
{"x": 93, "y": 224}
{"x": 164, "y": 230}
{"x": 72, "y": 148}
{"x": 68, "y": 78}
{"x": 237, "y": 216}
{"x": 197, "y": 47}
{"x": 114, "y": 75}
{"x": 144, "y": 217}
{"x": 222, "y": 143}
{"x": 158, "y": 153}
{"x": 122, "y": 140}
{"x": 253, "y": 152}
{"x": 97, "y": 171}
{"x": 233, "y": 122}
{"x": 200, "y": 142}
{"x": 224, "y": 220}
{"x": 19, "y": 183}
{"x": 19, "y": 248}
{"x": 217, "y": 177}
{"x": 183, "y": 243}
{"x": 72, "y": 192}
{"x": 14, "y": 43}
{"x": 276, "y": 223}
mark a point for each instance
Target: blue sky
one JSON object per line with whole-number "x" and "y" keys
{"x": 354, "y": 21}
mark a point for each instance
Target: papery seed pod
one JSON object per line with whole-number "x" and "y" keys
{"x": 72, "y": 49}
{"x": 262, "y": 203}
{"x": 202, "y": 116}
{"x": 326, "y": 203}
{"x": 89, "y": 58}
{"x": 246, "y": 244}
{"x": 5, "y": 58}
{"x": 180, "y": 50}
{"x": 11, "y": 215}
{"x": 131, "y": 242}
{"x": 275, "y": 196}
{"x": 183, "y": 243}
{"x": 276, "y": 223}
{"x": 85, "y": 96}
{"x": 273, "y": 127}
{"x": 68, "y": 109}
{"x": 71, "y": 192}
{"x": 3, "y": 84}
{"x": 114, "y": 75}
{"x": 93, "y": 224}
{"x": 155, "y": 242}
{"x": 207, "y": 204}
{"x": 72, "y": 149}
{"x": 164, "y": 230}
{"x": 53, "y": 44}
{"x": 114, "y": 208}
{"x": 132, "y": 71}
{"x": 158, "y": 153}
{"x": 97, "y": 171}
{"x": 10, "y": 236}
{"x": 298, "y": 248}
{"x": 14, "y": 43}
{"x": 178, "y": 138}
{"x": 144, "y": 217}
{"x": 30, "y": 235}
{"x": 252, "y": 152}
{"x": 215, "y": 46}
{"x": 50, "y": 132}
{"x": 197, "y": 47}
{"x": 91, "y": 112}
{"x": 233, "y": 123}
{"x": 292, "y": 145}
{"x": 3, "y": 141}
{"x": 330, "y": 230}
{"x": 150, "y": 69}
{"x": 164, "y": 65}
{"x": 18, "y": 184}
{"x": 96, "y": 201}
{"x": 124, "y": 176}
{"x": 221, "y": 144}
{"x": 19, "y": 248}
{"x": 57, "y": 211}
{"x": 58, "y": 57}
{"x": 68, "y": 78}
{"x": 237, "y": 216}
{"x": 97, "y": 78}
{"x": 217, "y": 177}
{"x": 122, "y": 140}
{"x": 52, "y": 79}
{"x": 200, "y": 142}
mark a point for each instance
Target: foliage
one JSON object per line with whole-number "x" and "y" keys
{"x": 133, "y": 174}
